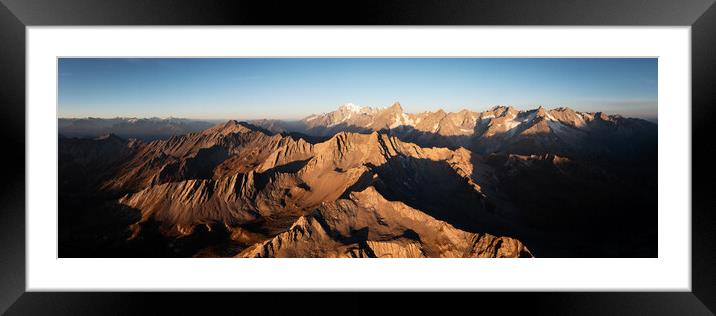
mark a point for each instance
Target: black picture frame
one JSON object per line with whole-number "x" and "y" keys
{"x": 16, "y": 15}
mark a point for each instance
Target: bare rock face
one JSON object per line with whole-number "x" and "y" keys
{"x": 201, "y": 155}
{"x": 196, "y": 202}
{"x": 366, "y": 224}
{"x": 399, "y": 248}
{"x": 288, "y": 178}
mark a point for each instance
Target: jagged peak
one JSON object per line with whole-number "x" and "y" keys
{"x": 502, "y": 110}
{"x": 230, "y": 123}
{"x": 563, "y": 109}
{"x": 396, "y": 106}
{"x": 230, "y": 127}
{"x": 541, "y": 112}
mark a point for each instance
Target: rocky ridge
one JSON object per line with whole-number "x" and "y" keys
{"x": 235, "y": 175}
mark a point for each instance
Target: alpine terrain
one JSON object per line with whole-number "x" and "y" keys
{"x": 364, "y": 182}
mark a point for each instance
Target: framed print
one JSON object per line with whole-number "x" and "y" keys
{"x": 558, "y": 158}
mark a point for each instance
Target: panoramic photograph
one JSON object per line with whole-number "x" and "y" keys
{"x": 357, "y": 157}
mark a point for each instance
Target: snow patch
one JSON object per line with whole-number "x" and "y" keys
{"x": 396, "y": 121}
{"x": 407, "y": 120}
{"x": 345, "y": 118}
{"x": 556, "y": 126}
{"x": 530, "y": 117}
{"x": 352, "y": 107}
{"x": 580, "y": 120}
{"x": 512, "y": 124}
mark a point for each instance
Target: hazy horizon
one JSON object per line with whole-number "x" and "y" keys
{"x": 224, "y": 119}
{"x": 215, "y": 89}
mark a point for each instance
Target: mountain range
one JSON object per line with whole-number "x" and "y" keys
{"x": 129, "y": 127}
{"x": 499, "y": 129}
{"x": 368, "y": 182}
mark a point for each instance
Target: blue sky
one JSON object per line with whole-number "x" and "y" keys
{"x": 292, "y": 88}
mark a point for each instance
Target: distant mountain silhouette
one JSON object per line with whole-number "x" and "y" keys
{"x": 145, "y": 129}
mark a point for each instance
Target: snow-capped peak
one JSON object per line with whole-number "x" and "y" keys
{"x": 350, "y": 107}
